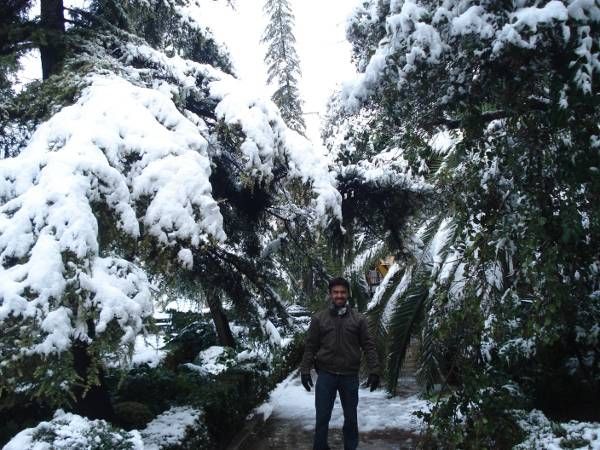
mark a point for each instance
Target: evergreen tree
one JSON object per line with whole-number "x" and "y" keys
{"x": 146, "y": 161}
{"x": 283, "y": 63}
{"x": 13, "y": 28}
{"x": 501, "y": 278}
{"x": 19, "y": 34}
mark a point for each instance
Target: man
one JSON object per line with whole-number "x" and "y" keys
{"x": 334, "y": 341}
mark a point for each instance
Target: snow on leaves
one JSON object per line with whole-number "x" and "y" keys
{"x": 267, "y": 140}
{"x": 126, "y": 154}
{"x": 88, "y": 154}
{"x": 419, "y": 32}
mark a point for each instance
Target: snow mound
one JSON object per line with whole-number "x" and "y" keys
{"x": 72, "y": 432}
{"x": 149, "y": 350}
{"x": 211, "y": 361}
{"x": 171, "y": 427}
{"x": 543, "y": 434}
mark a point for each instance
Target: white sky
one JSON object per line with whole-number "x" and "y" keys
{"x": 321, "y": 44}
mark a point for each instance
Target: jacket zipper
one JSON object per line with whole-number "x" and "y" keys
{"x": 338, "y": 338}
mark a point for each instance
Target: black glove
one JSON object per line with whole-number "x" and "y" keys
{"x": 373, "y": 381}
{"x": 306, "y": 381}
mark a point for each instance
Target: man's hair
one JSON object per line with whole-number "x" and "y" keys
{"x": 339, "y": 281}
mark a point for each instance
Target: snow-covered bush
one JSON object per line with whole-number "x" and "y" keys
{"x": 213, "y": 360}
{"x": 223, "y": 382}
{"x": 72, "y": 432}
{"x": 180, "y": 428}
{"x": 541, "y": 433}
{"x": 187, "y": 335}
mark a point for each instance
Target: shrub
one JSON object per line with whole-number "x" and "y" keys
{"x": 17, "y": 413}
{"x": 72, "y": 432}
{"x": 190, "y": 334}
{"x": 132, "y": 415}
{"x": 179, "y": 428}
{"x": 472, "y": 417}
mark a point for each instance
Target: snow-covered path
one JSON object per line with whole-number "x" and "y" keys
{"x": 384, "y": 423}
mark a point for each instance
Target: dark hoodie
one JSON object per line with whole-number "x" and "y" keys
{"x": 334, "y": 341}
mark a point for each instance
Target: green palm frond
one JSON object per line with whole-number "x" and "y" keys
{"x": 377, "y": 324}
{"x": 363, "y": 256}
{"x": 377, "y": 327}
{"x": 412, "y": 306}
{"x": 427, "y": 365}
{"x": 378, "y": 332}
{"x": 406, "y": 317}
{"x": 434, "y": 163}
{"x": 428, "y": 372}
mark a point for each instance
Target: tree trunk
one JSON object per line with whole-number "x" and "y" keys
{"x": 308, "y": 282}
{"x": 53, "y": 26}
{"x": 95, "y": 403}
{"x": 220, "y": 320}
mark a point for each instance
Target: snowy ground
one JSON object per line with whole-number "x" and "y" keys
{"x": 290, "y": 401}
{"x": 388, "y": 423}
{"x": 384, "y": 423}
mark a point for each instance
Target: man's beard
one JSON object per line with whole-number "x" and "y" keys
{"x": 338, "y": 310}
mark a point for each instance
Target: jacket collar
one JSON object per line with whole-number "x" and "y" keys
{"x": 338, "y": 311}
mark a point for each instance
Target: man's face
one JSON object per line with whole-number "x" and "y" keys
{"x": 339, "y": 295}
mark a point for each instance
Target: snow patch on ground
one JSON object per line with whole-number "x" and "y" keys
{"x": 290, "y": 401}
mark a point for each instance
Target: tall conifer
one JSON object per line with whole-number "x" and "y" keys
{"x": 283, "y": 62}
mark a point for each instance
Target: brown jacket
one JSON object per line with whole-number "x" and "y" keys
{"x": 334, "y": 343}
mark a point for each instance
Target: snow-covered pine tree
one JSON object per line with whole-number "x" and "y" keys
{"x": 283, "y": 62}
{"x": 141, "y": 164}
{"x": 13, "y": 22}
{"x": 504, "y": 272}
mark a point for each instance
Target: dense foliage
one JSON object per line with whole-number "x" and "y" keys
{"x": 495, "y": 105}
{"x": 158, "y": 168}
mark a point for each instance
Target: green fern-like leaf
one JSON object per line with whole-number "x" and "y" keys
{"x": 414, "y": 303}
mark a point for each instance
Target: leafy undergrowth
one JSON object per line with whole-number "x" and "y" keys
{"x": 192, "y": 399}
{"x": 545, "y": 434}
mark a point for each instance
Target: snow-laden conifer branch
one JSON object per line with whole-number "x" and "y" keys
{"x": 427, "y": 33}
{"x": 128, "y": 163}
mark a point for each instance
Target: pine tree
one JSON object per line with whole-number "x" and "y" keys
{"x": 283, "y": 63}
{"x": 139, "y": 168}
{"x": 14, "y": 26}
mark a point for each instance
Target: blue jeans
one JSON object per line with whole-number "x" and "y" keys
{"x": 328, "y": 384}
